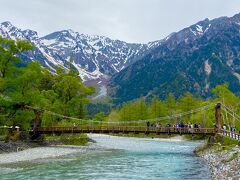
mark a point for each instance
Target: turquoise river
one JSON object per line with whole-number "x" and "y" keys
{"x": 115, "y": 158}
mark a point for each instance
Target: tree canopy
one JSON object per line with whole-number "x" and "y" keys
{"x": 26, "y": 91}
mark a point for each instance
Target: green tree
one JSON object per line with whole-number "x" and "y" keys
{"x": 71, "y": 93}
{"x": 224, "y": 95}
{"x": 157, "y": 108}
{"x": 99, "y": 116}
{"x": 25, "y": 91}
{"x": 8, "y": 51}
{"x": 171, "y": 104}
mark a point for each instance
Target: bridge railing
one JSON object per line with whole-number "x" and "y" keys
{"x": 230, "y": 134}
{"x": 123, "y": 129}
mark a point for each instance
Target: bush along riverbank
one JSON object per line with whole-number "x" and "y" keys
{"x": 67, "y": 139}
{"x": 222, "y": 156}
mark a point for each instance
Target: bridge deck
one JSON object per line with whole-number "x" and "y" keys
{"x": 123, "y": 129}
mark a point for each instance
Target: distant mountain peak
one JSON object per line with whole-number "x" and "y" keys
{"x": 7, "y": 24}
{"x": 95, "y": 57}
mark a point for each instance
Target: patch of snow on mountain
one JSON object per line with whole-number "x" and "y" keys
{"x": 207, "y": 27}
{"x": 72, "y": 33}
{"x": 237, "y": 75}
{"x": 48, "y": 65}
{"x": 230, "y": 62}
{"x": 152, "y": 44}
{"x": 199, "y": 29}
{"x": 50, "y": 58}
{"x": 48, "y": 42}
{"x": 85, "y": 75}
{"x": 193, "y": 32}
{"x": 115, "y": 68}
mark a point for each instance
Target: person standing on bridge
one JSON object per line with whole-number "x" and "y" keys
{"x": 224, "y": 129}
{"x": 158, "y": 125}
{"x": 152, "y": 126}
{"x": 148, "y": 125}
{"x": 168, "y": 126}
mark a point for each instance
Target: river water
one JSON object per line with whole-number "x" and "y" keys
{"x": 117, "y": 158}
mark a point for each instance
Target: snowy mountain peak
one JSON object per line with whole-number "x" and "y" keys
{"x": 95, "y": 57}
{"x": 7, "y": 24}
{"x": 9, "y": 31}
{"x": 30, "y": 35}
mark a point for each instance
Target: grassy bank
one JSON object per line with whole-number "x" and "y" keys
{"x": 217, "y": 144}
{"x": 67, "y": 139}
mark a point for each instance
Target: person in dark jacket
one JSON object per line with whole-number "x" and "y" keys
{"x": 148, "y": 124}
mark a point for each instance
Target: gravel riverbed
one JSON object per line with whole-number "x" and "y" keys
{"x": 45, "y": 152}
{"x": 223, "y": 164}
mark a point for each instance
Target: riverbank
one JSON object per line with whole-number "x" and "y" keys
{"x": 47, "y": 147}
{"x": 16, "y": 146}
{"x": 222, "y": 158}
{"x": 44, "y": 153}
{"x": 45, "y": 141}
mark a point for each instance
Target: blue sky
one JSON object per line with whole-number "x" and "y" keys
{"x": 128, "y": 20}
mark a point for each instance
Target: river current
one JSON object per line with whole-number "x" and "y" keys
{"x": 117, "y": 158}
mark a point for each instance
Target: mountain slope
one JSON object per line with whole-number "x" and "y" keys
{"x": 95, "y": 57}
{"x": 195, "y": 59}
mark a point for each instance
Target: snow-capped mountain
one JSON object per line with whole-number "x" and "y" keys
{"x": 95, "y": 57}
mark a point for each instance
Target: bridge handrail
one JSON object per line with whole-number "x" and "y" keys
{"x": 231, "y": 134}
{"x": 125, "y": 128}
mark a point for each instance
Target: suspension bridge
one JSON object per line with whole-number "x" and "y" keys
{"x": 222, "y": 117}
{"x": 139, "y": 126}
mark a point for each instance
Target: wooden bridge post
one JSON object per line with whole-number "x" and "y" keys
{"x": 218, "y": 117}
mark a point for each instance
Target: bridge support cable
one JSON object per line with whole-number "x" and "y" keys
{"x": 173, "y": 116}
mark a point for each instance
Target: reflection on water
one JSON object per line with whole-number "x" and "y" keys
{"x": 126, "y": 158}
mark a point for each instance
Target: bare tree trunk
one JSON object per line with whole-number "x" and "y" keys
{"x": 37, "y": 119}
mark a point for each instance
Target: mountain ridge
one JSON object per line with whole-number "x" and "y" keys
{"x": 95, "y": 57}
{"x": 195, "y": 59}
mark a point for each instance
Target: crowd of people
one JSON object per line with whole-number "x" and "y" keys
{"x": 231, "y": 129}
{"x": 175, "y": 127}
{"x": 189, "y": 127}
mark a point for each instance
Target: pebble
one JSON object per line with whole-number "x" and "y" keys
{"x": 220, "y": 166}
